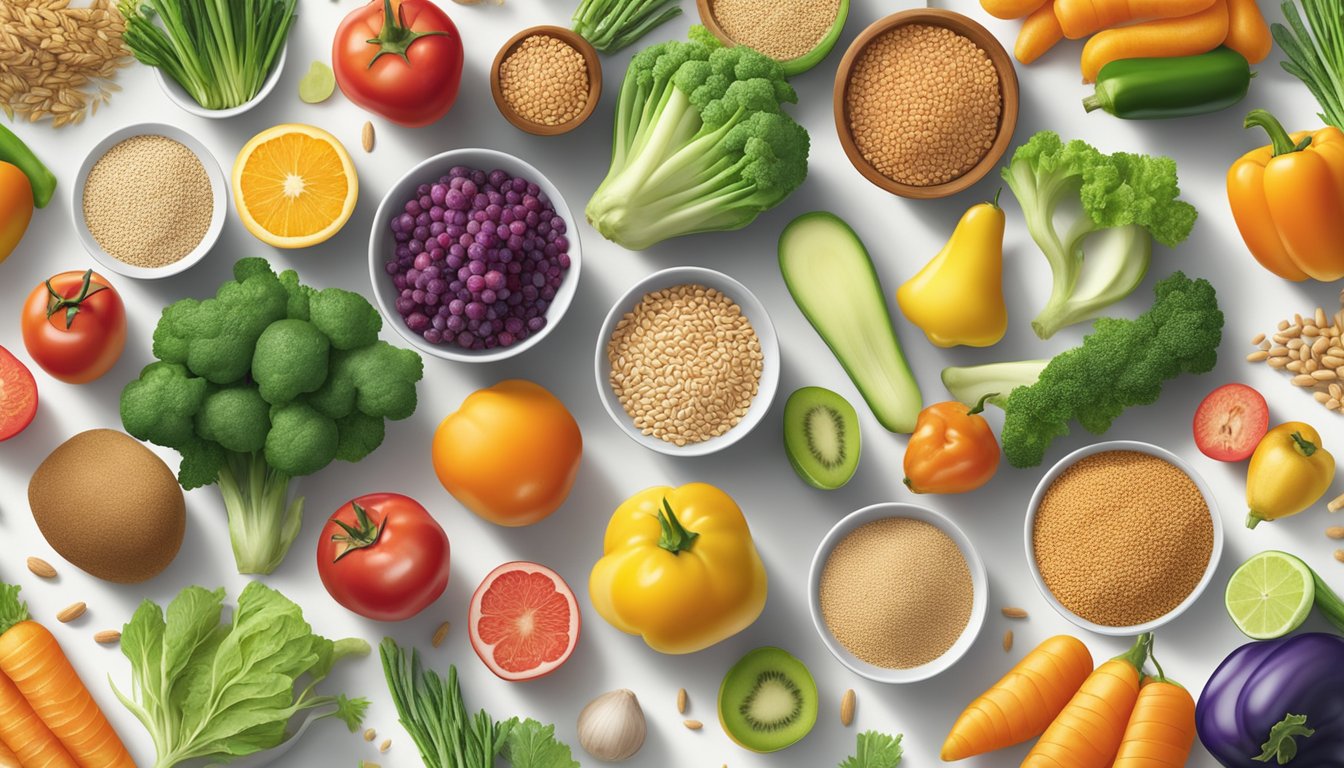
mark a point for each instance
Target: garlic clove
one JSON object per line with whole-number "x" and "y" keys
{"x": 612, "y": 726}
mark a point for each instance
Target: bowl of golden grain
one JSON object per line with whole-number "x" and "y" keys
{"x": 925, "y": 103}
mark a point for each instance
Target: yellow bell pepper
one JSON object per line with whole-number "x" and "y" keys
{"x": 679, "y": 568}
{"x": 957, "y": 298}
{"x": 1290, "y": 470}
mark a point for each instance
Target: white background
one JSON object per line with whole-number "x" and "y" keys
{"x": 787, "y": 517}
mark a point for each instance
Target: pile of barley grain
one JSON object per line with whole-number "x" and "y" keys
{"x": 58, "y": 62}
{"x": 781, "y": 31}
{"x": 1312, "y": 350}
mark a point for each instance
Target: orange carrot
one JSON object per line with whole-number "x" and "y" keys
{"x": 1161, "y": 730}
{"x": 1247, "y": 32}
{"x": 7, "y": 758}
{"x": 32, "y": 660}
{"x": 1087, "y": 734}
{"x": 33, "y": 744}
{"x": 1080, "y": 18}
{"x": 1186, "y": 36}
{"x": 1039, "y": 34}
{"x": 1011, "y": 9}
{"x": 1023, "y": 703}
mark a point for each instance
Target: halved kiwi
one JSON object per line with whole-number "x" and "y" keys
{"x": 768, "y": 700}
{"x": 821, "y": 437}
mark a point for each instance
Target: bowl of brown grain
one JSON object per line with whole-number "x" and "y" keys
{"x": 925, "y": 103}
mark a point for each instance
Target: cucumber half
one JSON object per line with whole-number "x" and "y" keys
{"x": 832, "y": 279}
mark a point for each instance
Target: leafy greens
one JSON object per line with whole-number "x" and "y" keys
{"x": 875, "y": 750}
{"x": 206, "y": 687}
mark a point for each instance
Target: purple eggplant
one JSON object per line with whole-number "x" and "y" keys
{"x": 1243, "y": 713}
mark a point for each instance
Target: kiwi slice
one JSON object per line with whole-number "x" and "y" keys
{"x": 821, "y": 436}
{"x": 768, "y": 700}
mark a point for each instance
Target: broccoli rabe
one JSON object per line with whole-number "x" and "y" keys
{"x": 700, "y": 143}
{"x": 268, "y": 381}
{"x": 1095, "y": 217}
{"x": 1122, "y": 363}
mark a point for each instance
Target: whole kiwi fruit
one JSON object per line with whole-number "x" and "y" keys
{"x": 110, "y": 506}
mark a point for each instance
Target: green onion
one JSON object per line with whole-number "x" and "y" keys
{"x": 611, "y": 25}
{"x": 219, "y": 51}
{"x": 1314, "y": 52}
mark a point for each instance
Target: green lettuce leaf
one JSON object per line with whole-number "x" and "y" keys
{"x": 533, "y": 745}
{"x": 875, "y": 750}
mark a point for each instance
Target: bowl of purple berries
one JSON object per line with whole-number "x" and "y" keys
{"x": 474, "y": 256}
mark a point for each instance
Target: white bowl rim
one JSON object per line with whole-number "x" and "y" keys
{"x": 979, "y": 584}
{"x": 475, "y": 157}
{"x": 751, "y": 306}
{"x": 218, "y": 189}
{"x": 179, "y": 96}
{"x": 1141, "y": 447}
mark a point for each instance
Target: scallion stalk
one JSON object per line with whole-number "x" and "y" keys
{"x": 611, "y": 25}
{"x": 1314, "y": 52}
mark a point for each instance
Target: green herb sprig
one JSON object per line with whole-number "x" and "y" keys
{"x": 611, "y": 25}
{"x": 1314, "y": 52}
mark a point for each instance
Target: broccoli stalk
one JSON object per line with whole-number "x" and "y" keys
{"x": 1114, "y": 206}
{"x": 992, "y": 382}
{"x": 264, "y": 383}
{"x": 700, "y": 143}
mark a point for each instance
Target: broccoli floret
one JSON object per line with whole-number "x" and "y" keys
{"x": 701, "y": 143}
{"x": 268, "y": 381}
{"x": 1122, "y": 363}
{"x": 290, "y": 359}
{"x": 1112, "y": 207}
{"x": 346, "y": 318}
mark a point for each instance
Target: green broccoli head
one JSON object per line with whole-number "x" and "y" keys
{"x": 301, "y": 440}
{"x": 290, "y": 359}
{"x": 378, "y": 380}
{"x": 1122, "y": 363}
{"x": 347, "y": 318}
{"x": 235, "y": 417}
{"x": 296, "y": 308}
{"x": 359, "y": 434}
{"x": 161, "y": 404}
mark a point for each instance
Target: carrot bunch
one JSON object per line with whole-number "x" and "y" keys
{"x": 48, "y": 719}
{"x": 1111, "y": 717}
{"x": 1135, "y": 29}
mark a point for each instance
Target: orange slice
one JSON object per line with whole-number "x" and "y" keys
{"x": 294, "y": 186}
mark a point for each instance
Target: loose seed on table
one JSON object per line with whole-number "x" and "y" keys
{"x": 1321, "y": 397}
{"x": 366, "y": 136}
{"x": 1257, "y": 357}
{"x": 1295, "y": 366}
{"x": 107, "y": 637}
{"x": 1015, "y": 613}
{"x": 1336, "y": 504}
{"x": 847, "y": 704}
{"x": 693, "y": 725}
{"x": 1339, "y": 555}
{"x": 1259, "y": 337}
{"x": 386, "y": 745}
{"x": 1304, "y": 380}
{"x": 71, "y": 612}
{"x": 41, "y": 568}
{"x": 440, "y": 634}
{"x": 1335, "y": 531}
{"x": 1008, "y": 640}
{"x": 681, "y": 701}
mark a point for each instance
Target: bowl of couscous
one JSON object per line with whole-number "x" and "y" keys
{"x": 925, "y": 103}
{"x": 1122, "y": 537}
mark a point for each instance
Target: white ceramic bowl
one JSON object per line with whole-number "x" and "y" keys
{"x": 219, "y": 190}
{"x": 755, "y": 313}
{"x": 382, "y": 246}
{"x": 1123, "y": 445}
{"x": 979, "y": 587}
{"x": 179, "y": 96}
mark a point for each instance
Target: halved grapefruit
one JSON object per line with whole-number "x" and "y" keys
{"x": 524, "y": 621}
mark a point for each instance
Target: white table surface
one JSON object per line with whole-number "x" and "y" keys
{"x": 788, "y": 518}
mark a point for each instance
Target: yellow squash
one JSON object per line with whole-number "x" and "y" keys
{"x": 679, "y": 568}
{"x": 1290, "y": 470}
{"x": 957, "y": 298}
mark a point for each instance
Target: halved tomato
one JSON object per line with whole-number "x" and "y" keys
{"x": 524, "y": 621}
{"x": 18, "y": 395}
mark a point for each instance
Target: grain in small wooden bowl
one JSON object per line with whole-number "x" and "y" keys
{"x": 1008, "y": 88}
{"x": 590, "y": 59}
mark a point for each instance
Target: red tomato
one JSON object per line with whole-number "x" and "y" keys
{"x": 399, "y": 58}
{"x": 18, "y": 395}
{"x": 383, "y": 556}
{"x": 74, "y": 326}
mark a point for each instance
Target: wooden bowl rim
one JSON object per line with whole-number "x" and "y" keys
{"x": 834, "y": 31}
{"x": 591, "y": 61}
{"x": 1008, "y": 90}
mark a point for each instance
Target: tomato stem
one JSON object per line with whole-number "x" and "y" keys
{"x": 358, "y": 536}
{"x": 73, "y": 304}
{"x": 675, "y": 539}
{"x": 396, "y": 37}
{"x": 980, "y": 406}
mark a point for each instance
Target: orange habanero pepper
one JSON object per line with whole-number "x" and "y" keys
{"x": 952, "y": 449}
{"x": 1288, "y": 200}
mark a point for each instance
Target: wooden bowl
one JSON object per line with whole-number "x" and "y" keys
{"x": 791, "y": 66}
{"x": 575, "y": 41}
{"x": 1008, "y": 88}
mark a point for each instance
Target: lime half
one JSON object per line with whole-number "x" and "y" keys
{"x": 1270, "y": 595}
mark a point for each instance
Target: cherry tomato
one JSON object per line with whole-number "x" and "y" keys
{"x": 383, "y": 556}
{"x": 18, "y": 395}
{"x": 74, "y": 326}
{"x": 510, "y": 453}
{"x": 399, "y": 58}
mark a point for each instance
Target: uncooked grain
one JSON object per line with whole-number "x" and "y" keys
{"x": 781, "y": 31}
{"x": 1014, "y": 613}
{"x": 847, "y": 704}
{"x": 686, "y": 364}
{"x": 148, "y": 201}
{"x": 1122, "y": 538}
{"x": 440, "y": 634}
{"x": 71, "y": 612}
{"x": 681, "y": 701}
{"x": 107, "y": 637}
{"x": 693, "y": 725}
{"x": 1007, "y": 640}
{"x": 1312, "y": 349}
{"x": 545, "y": 80}
{"x": 41, "y": 568}
{"x": 896, "y": 593}
{"x": 57, "y": 62}
{"x": 923, "y": 104}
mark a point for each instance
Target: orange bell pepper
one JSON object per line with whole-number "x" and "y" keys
{"x": 952, "y": 450}
{"x": 1288, "y": 200}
